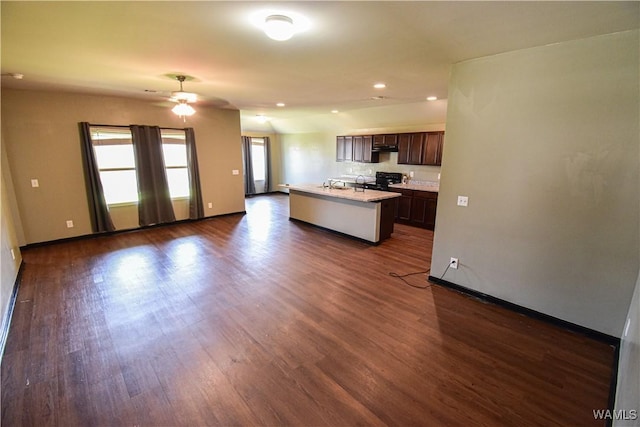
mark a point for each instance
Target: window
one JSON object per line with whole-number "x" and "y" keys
{"x": 114, "y": 154}
{"x": 113, "y": 147}
{"x": 174, "y": 149}
{"x": 258, "y": 159}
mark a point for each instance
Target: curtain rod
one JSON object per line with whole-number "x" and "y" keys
{"x": 128, "y": 126}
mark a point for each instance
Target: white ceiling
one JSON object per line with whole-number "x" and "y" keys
{"x": 123, "y": 48}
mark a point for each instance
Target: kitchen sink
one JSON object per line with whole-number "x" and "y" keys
{"x": 335, "y": 188}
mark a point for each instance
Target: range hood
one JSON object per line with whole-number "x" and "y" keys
{"x": 389, "y": 148}
{"x": 388, "y": 142}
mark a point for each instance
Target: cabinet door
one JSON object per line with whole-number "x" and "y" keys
{"x": 378, "y": 140}
{"x": 404, "y": 141}
{"x": 410, "y": 147}
{"x": 387, "y": 208}
{"x": 431, "y": 148}
{"x": 440, "y": 148}
{"x": 402, "y": 205}
{"x": 391, "y": 139}
{"x": 430, "y": 220}
{"x": 358, "y": 149}
{"x": 423, "y": 209}
{"x": 369, "y": 156}
{"x": 348, "y": 148}
{"x": 416, "y": 148}
{"x": 340, "y": 149}
{"x": 418, "y": 211}
{"x": 404, "y": 209}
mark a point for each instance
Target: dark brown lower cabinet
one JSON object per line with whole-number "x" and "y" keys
{"x": 416, "y": 208}
{"x": 387, "y": 213}
{"x": 403, "y": 205}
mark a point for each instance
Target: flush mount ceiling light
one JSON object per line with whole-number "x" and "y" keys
{"x": 379, "y": 85}
{"x": 183, "y": 109}
{"x": 279, "y": 27}
{"x": 432, "y": 98}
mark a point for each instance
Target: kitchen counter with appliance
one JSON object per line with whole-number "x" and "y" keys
{"x": 366, "y": 215}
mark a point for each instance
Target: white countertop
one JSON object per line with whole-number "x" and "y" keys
{"x": 348, "y": 193}
{"x": 432, "y": 187}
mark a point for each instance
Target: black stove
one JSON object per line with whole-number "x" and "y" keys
{"x": 383, "y": 179}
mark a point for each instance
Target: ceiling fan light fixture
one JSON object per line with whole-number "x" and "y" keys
{"x": 279, "y": 27}
{"x": 183, "y": 109}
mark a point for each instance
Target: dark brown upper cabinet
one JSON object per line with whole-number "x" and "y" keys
{"x": 432, "y": 154}
{"x": 356, "y": 148}
{"x": 420, "y": 148}
{"x": 344, "y": 148}
{"x": 410, "y": 148}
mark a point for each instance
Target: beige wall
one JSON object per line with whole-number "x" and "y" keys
{"x": 40, "y": 130}
{"x": 544, "y": 142}
{"x": 9, "y": 242}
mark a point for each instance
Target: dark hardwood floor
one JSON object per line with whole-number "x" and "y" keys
{"x": 257, "y": 320}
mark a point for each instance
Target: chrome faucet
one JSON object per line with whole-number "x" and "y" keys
{"x": 356, "y": 187}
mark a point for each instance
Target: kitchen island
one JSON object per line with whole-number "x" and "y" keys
{"x": 366, "y": 215}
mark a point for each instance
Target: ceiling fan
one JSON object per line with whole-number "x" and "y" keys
{"x": 183, "y": 109}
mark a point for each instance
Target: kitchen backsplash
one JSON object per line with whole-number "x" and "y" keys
{"x": 390, "y": 164}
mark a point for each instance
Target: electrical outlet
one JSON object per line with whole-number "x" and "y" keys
{"x": 463, "y": 201}
{"x": 235, "y": 172}
{"x": 69, "y": 223}
{"x": 453, "y": 263}
{"x": 410, "y": 174}
{"x": 35, "y": 183}
{"x": 210, "y": 205}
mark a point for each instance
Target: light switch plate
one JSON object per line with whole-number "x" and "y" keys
{"x": 235, "y": 172}
{"x": 35, "y": 183}
{"x": 463, "y": 201}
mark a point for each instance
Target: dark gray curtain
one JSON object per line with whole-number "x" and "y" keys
{"x": 98, "y": 208}
{"x": 249, "y": 184}
{"x": 196, "y": 209}
{"x": 154, "y": 200}
{"x": 267, "y": 166}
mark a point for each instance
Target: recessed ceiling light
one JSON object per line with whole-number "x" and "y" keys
{"x": 379, "y": 85}
{"x": 432, "y": 98}
{"x": 280, "y": 104}
{"x": 335, "y": 111}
